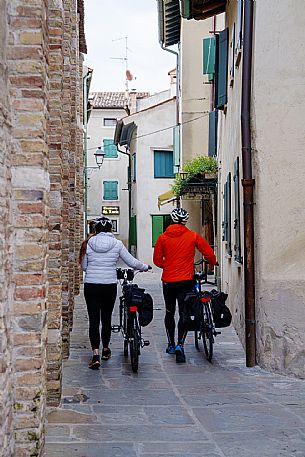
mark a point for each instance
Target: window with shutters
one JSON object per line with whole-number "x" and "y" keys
{"x": 110, "y": 190}
{"x": 208, "y": 49}
{"x": 237, "y": 245}
{"x": 221, "y": 70}
{"x": 109, "y": 148}
{"x": 239, "y": 31}
{"x": 227, "y": 220}
{"x": 163, "y": 164}
{"x": 213, "y": 124}
{"x": 232, "y": 56}
{"x": 159, "y": 225}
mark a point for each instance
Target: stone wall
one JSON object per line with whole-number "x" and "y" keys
{"x": 41, "y": 210}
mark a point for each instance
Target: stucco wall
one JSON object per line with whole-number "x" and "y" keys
{"x": 146, "y": 189}
{"x": 279, "y": 132}
{"x": 229, "y": 148}
{"x": 194, "y": 103}
{"x": 112, "y": 170}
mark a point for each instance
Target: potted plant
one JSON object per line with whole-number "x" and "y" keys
{"x": 201, "y": 167}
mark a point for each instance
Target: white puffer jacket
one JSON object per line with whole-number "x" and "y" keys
{"x": 102, "y": 253}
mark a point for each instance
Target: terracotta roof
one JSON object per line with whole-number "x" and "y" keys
{"x": 82, "y": 37}
{"x": 112, "y": 99}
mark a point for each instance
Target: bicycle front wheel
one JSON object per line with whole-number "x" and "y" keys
{"x": 207, "y": 333}
{"x": 134, "y": 346}
{"x": 196, "y": 338}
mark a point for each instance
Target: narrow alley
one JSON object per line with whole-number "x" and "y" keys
{"x": 198, "y": 409}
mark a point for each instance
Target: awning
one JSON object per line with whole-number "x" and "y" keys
{"x": 165, "y": 198}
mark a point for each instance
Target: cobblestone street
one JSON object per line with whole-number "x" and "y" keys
{"x": 195, "y": 409}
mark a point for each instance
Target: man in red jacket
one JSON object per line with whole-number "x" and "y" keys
{"x": 174, "y": 252}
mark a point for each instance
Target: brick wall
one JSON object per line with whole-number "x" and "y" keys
{"x": 6, "y": 398}
{"x": 40, "y": 208}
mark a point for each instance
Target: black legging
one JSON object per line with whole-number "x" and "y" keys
{"x": 173, "y": 291}
{"x": 100, "y": 300}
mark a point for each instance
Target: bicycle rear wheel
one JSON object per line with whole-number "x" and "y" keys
{"x": 207, "y": 333}
{"x": 134, "y": 346}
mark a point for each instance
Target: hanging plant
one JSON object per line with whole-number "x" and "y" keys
{"x": 194, "y": 169}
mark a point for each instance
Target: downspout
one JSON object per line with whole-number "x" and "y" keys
{"x": 85, "y": 174}
{"x": 248, "y": 187}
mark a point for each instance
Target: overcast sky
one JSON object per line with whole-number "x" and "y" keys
{"x": 108, "y": 20}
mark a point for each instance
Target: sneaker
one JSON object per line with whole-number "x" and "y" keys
{"x": 106, "y": 354}
{"x": 170, "y": 348}
{"x": 179, "y": 351}
{"x": 95, "y": 362}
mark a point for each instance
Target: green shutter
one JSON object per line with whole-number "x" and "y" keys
{"x": 225, "y": 216}
{"x": 229, "y": 219}
{"x": 208, "y": 48}
{"x": 163, "y": 164}
{"x": 110, "y": 190}
{"x": 176, "y": 144}
{"x": 133, "y": 231}
{"x": 213, "y": 123}
{"x": 221, "y": 69}
{"x": 110, "y": 149}
{"x": 157, "y": 228}
{"x": 134, "y": 167}
{"x": 237, "y": 246}
{"x": 167, "y": 220}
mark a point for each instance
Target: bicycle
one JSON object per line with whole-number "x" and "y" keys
{"x": 207, "y": 331}
{"x": 129, "y": 325}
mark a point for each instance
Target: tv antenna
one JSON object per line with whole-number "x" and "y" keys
{"x": 125, "y": 59}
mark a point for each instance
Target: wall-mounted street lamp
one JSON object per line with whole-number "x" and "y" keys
{"x": 99, "y": 156}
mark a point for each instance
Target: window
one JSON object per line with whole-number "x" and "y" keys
{"x": 110, "y": 190}
{"x": 115, "y": 225}
{"x": 237, "y": 246}
{"x": 221, "y": 70}
{"x": 227, "y": 218}
{"x": 213, "y": 124}
{"x": 163, "y": 164}
{"x": 109, "y": 148}
{"x": 109, "y": 121}
{"x": 159, "y": 225}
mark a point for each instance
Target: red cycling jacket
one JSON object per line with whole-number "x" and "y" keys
{"x": 175, "y": 252}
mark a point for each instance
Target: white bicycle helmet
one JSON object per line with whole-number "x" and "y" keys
{"x": 104, "y": 222}
{"x": 180, "y": 216}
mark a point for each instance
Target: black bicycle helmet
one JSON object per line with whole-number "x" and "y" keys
{"x": 103, "y": 223}
{"x": 180, "y": 216}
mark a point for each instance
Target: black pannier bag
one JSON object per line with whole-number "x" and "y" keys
{"x": 221, "y": 314}
{"x": 146, "y": 310}
{"x": 191, "y": 314}
{"x": 134, "y": 295}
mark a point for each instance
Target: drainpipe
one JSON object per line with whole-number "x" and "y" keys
{"x": 248, "y": 187}
{"x": 85, "y": 174}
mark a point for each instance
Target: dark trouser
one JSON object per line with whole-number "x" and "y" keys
{"x": 173, "y": 291}
{"x": 100, "y": 300}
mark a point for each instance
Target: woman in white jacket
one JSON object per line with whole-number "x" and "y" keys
{"x": 98, "y": 257}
